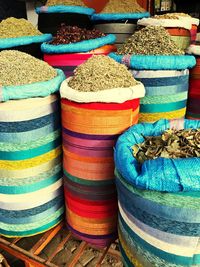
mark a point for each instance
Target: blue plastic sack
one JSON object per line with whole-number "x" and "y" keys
{"x": 65, "y": 9}
{"x": 154, "y": 62}
{"x": 24, "y": 40}
{"x": 83, "y": 46}
{"x": 119, "y": 16}
{"x": 39, "y": 89}
{"x": 161, "y": 174}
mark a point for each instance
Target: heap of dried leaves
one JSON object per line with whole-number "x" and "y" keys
{"x": 171, "y": 144}
{"x": 122, "y": 6}
{"x": 151, "y": 40}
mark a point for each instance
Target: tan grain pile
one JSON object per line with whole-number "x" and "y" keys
{"x": 101, "y": 73}
{"x": 122, "y": 6}
{"x": 12, "y": 27}
{"x": 65, "y": 2}
{"x": 151, "y": 40}
{"x": 18, "y": 68}
{"x": 171, "y": 16}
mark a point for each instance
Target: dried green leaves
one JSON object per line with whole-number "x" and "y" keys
{"x": 172, "y": 144}
{"x": 101, "y": 73}
{"x": 151, "y": 40}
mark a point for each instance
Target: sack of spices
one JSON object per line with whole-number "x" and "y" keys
{"x": 158, "y": 184}
{"x": 181, "y": 27}
{"x": 70, "y": 12}
{"x": 156, "y": 61}
{"x": 98, "y": 103}
{"x": 119, "y": 18}
{"x": 72, "y": 46}
{"x": 193, "y": 104}
{"x": 20, "y": 34}
{"x": 31, "y": 197}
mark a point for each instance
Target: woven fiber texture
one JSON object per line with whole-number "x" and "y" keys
{"x": 65, "y": 9}
{"x": 119, "y": 16}
{"x": 193, "y": 104}
{"x": 31, "y": 196}
{"x": 68, "y": 62}
{"x": 159, "y": 217}
{"x": 166, "y": 94}
{"x": 90, "y": 131}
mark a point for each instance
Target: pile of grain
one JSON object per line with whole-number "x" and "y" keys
{"x": 101, "y": 73}
{"x": 65, "y": 2}
{"x": 151, "y": 40}
{"x": 122, "y": 6}
{"x": 12, "y": 27}
{"x": 172, "y": 16}
{"x": 18, "y": 68}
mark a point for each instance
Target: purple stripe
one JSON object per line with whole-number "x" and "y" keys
{"x": 90, "y": 136}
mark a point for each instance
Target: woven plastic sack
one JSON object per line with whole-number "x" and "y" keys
{"x": 165, "y": 175}
{"x": 65, "y": 9}
{"x": 39, "y": 89}
{"x": 119, "y": 16}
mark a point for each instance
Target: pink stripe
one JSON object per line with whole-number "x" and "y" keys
{"x": 89, "y": 142}
{"x": 177, "y": 124}
{"x": 66, "y": 59}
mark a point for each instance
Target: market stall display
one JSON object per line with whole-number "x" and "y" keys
{"x": 30, "y": 145}
{"x": 98, "y": 103}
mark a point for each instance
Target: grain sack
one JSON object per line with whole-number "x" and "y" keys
{"x": 193, "y": 104}
{"x": 155, "y": 60}
{"x": 93, "y": 115}
{"x": 159, "y": 200}
{"x": 31, "y": 197}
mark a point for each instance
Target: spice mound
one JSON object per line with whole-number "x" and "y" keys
{"x": 74, "y": 34}
{"x": 151, "y": 40}
{"x": 65, "y": 2}
{"x": 171, "y": 144}
{"x": 12, "y": 27}
{"x": 101, "y": 73}
{"x": 172, "y": 16}
{"x": 18, "y": 68}
{"x": 122, "y": 6}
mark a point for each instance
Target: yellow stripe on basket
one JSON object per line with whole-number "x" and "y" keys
{"x": 24, "y": 164}
{"x": 151, "y": 117}
{"x": 132, "y": 257}
{"x": 104, "y": 122}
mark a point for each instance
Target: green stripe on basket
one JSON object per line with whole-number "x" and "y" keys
{"x": 30, "y": 226}
{"x": 87, "y": 182}
{"x": 164, "y": 99}
{"x": 32, "y": 179}
{"x": 12, "y": 147}
{"x": 168, "y": 199}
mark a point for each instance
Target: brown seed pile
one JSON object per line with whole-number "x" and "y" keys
{"x": 122, "y": 6}
{"x": 12, "y": 27}
{"x": 18, "y": 68}
{"x": 171, "y": 144}
{"x": 101, "y": 73}
{"x": 65, "y": 2}
{"x": 74, "y": 34}
{"x": 171, "y": 16}
{"x": 151, "y": 40}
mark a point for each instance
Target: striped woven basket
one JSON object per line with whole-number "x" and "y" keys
{"x": 90, "y": 131}
{"x": 31, "y": 198}
{"x": 68, "y": 62}
{"x": 166, "y": 94}
{"x": 181, "y": 36}
{"x": 159, "y": 203}
{"x": 193, "y": 105}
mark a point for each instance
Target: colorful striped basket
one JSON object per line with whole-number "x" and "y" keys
{"x": 193, "y": 105}
{"x": 90, "y": 131}
{"x": 68, "y": 62}
{"x": 166, "y": 81}
{"x": 159, "y": 204}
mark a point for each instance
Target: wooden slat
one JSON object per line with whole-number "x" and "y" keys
{"x": 102, "y": 256}
{"x": 77, "y": 255}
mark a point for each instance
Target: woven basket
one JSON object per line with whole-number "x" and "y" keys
{"x": 180, "y": 36}
{"x": 30, "y": 166}
{"x": 159, "y": 203}
{"x": 68, "y": 62}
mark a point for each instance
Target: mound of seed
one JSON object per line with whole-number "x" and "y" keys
{"x": 65, "y": 2}
{"x": 12, "y": 27}
{"x": 171, "y": 16}
{"x": 18, "y": 68}
{"x": 151, "y": 40}
{"x": 122, "y": 6}
{"x": 171, "y": 144}
{"x": 74, "y": 34}
{"x": 100, "y": 73}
